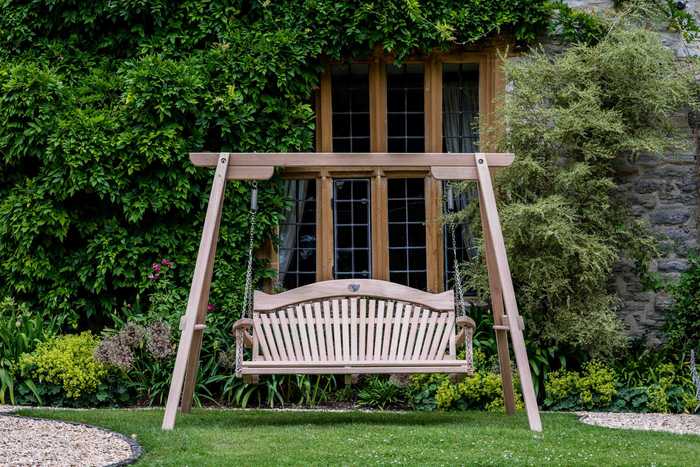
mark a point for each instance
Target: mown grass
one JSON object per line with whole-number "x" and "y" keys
{"x": 258, "y": 437}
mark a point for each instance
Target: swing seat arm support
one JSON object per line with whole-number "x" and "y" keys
{"x": 465, "y": 325}
{"x": 244, "y": 325}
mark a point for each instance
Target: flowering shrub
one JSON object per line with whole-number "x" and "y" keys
{"x": 67, "y": 361}
{"x": 142, "y": 354}
{"x": 118, "y": 350}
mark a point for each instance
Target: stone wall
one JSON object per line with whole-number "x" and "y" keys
{"x": 663, "y": 190}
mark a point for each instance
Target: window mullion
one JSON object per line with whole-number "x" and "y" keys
{"x": 377, "y": 105}
{"x": 380, "y": 227}
{"x": 433, "y": 188}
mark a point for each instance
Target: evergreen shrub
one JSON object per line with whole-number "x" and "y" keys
{"x": 570, "y": 117}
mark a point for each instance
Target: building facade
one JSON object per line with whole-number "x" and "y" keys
{"x": 388, "y": 225}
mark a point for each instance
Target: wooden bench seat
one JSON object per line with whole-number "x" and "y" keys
{"x": 354, "y": 326}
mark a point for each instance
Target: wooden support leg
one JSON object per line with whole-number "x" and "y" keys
{"x": 186, "y": 361}
{"x": 193, "y": 360}
{"x": 497, "y": 309}
{"x": 493, "y": 225}
{"x": 351, "y": 379}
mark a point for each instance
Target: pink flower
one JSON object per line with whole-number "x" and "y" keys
{"x": 211, "y": 307}
{"x": 155, "y": 267}
{"x": 167, "y": 263}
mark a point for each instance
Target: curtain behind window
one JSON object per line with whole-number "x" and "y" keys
{"x": 295, "y": 190}
{"x": 460, "y": 96}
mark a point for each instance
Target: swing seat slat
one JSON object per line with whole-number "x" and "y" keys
{"x": 354, "y": 326}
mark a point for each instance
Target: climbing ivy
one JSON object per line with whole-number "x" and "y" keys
{"x": 100, "y": 102}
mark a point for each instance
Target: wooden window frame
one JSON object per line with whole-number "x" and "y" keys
{"x": 491, "y": 86}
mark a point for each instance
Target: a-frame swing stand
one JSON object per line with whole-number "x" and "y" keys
{"x": 260, "y": 166}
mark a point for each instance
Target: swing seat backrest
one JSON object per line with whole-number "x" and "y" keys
{"x": 354, "y": 326}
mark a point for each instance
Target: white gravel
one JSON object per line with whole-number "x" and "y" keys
{"x": 31, "y": 442}
{"x": 673, "y": 423}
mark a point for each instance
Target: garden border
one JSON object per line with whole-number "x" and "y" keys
{"x": 136, "y": 448}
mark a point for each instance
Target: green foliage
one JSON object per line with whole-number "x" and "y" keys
{"x": 674, "y": 391}
{"x": 278, "y": 390}
{"x": 569, "y": 118}
{"x": 594, "y": 388}
{"x": 380, "y": 393}
{"x": 482, "y": 391}
{"x": 67, "y": 361}
{"x": 422, "y": 391}
{"x": 682, "y": 320}
{"x": 664, "y": 388}
{"x": 573, "y": 25}
{"x": 20, "y": 332}
{"x": 478, "y": 391}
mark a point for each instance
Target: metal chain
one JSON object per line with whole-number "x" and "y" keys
{"x": 459, "y": 288}
{"x": 694, "y": 375}
{"x": 248, "y": 288}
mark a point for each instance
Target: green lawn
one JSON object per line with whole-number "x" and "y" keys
{"x": 227, "y": 437}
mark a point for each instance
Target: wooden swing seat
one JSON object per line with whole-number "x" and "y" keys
{"x": 354, "y": 326}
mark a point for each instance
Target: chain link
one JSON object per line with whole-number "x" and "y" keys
{"x": 248, "y": 288}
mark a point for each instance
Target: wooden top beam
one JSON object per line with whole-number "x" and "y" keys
{"x": 341, "y": 160}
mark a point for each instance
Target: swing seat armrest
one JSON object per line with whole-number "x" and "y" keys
{"x": 244, "y": 325}
{"x": 464, "y": 325}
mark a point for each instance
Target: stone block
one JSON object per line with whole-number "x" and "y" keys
{"x": 670, "y": 216}
{"x": 647, "y": 185}
{"x": 647, "y": 200}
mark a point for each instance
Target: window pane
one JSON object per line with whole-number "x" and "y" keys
{"x": 397, "y": 145}
{"x": 406, "y": 215}
{"x": 460, "y": 107}
{"x": 343, "y": 237}
{"x": 343, "y": 212}
{"x": 360, "y": 145}
{"x": 297, "y": 248}
{"x": 415, "y": 145}
{"x": 405, "y": 108}
{"x": 397, "y": 208}
{"x": 350, "y": 107}
{"x": 341, "y": 125}
{"x": 352, "y": 232}
{"x": 360, "y": 212}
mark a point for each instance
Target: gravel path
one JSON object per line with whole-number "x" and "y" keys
{"x": 33, "y": 442}
{"x": 672, "y": 423}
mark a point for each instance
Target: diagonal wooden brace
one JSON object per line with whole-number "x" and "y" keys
{"x": 499, "y": 262}
{"x": 192, "y": 324}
